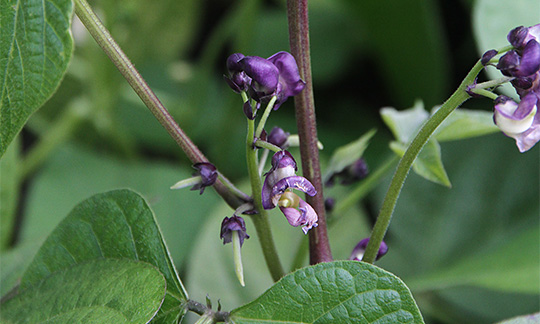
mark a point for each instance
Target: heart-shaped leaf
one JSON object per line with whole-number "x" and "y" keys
{"x": 334, "y": 292}
{"x": 115, "y": 224}
{"x": 100, "y": 291}
{"x": 36, "y": 46}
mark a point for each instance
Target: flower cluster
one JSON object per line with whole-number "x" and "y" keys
{"x": 277, "y": 191}
{"x": 521, "y": 121}
{"x": 262, "y": 79}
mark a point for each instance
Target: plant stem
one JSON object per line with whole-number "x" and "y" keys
{"x": 260, "y": 220}
{"x": 264, "y": 117}
{"x": 297, "y": 15}
{"x": 389, "y": 203}
{"x": 362, "y": 189}
{"x": 135, "y": 80}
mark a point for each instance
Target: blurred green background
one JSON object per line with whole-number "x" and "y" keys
{"x": 470, "y": 253}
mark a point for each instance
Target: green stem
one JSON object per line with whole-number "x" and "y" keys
{"x": 58, "y": 133}
{"x": 267, "y": 145}
{"x": 135, "y": 80}
{"x": 389, "y": 203}
{"x": 362, "y": 189}
{"x": 260, "y": 220}
{"x": 264, "y": 117}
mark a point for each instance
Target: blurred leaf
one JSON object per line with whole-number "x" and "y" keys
{"x": 526, "y": 319}
{"x": 410, "y": 48}
{"x": 115, "y": 224}
{"x": 9, "y": 192}
{"x": 347, "y": 154}
{"x": 493, "y": 20}
{"x": 465, "y": 123}
{"x": 494, "y": 197}
{"x": 336, "y": 292}
{"x": 36, "y": 39}
{"x": 73, "y": 174}
{"x": 404, "y": 125}
{"x": 513, "y": 266}
{"x": 100, "y": 291}
{"x": 13, "y": 265}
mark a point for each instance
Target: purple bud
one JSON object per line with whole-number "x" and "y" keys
{"x": 264, "y": 75}
{"x": 360, "y": 248}
{"x": 329, "y": 204}
{"x": 229, "y": 225}
{"x": 248, "y": 110}
{"x": 290, "y": 83}
{"x": 488, "y": 56}
{"x": 278, "y": 137}
{"x": 355, "y": 172}
{"x": 237, "y": 79}
{"x": 526, "y": 64}
{"x": 208, "y": 173}
{"x": 516, "y": 36}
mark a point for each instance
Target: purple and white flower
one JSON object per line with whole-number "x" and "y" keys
{"x": 519, "y": 121}
{"x": 358, "y": 252}
{"x": 277, "y": 191}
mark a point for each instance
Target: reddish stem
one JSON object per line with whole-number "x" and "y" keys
{"x": 297, "y": 14}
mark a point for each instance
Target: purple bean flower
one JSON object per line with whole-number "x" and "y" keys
{"x": 265, "y": 78}
{"x": 277, "y": 191}
{"x": 208, "y": 173}
{"x": 360, "y": 248}
{"x": 519, "y": 121}
{"x": 278, "y": 137}
{"x": 521, "y": 62}
{"x": 233, "y": 224}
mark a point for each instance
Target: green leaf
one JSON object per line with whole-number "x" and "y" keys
{"x": 348, "y": 154}
{"x": 526, "y": 319}
{"x": 36, "y": 46}
{"x": 465, "y": 123}
{"x": 9, "y": 193}
{"x": 428, "y": 164}
{"x": 405, "y": 125}
{"x": 512, "y": 266}
{"x": 334, "y": 292}
{"x": 115, "y": 224}
{"x": 100, "y": 291}
{"x": 493, "y": 20}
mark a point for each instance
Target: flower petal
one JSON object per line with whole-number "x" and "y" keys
{"x": 295, "y": 182}
{"x": 304, "y": 216}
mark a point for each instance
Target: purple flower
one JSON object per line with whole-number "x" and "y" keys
{"x": 278, "y": 137}
{"x": 290, "y": 84}
{"x": 521, "y": 63}
{"x": 208, "y": 173}
{"x": 360, "y": 248}
{"x": 277, "y": 191}
{"x": 520, "y": 36}
{"x": 519, "y": 121}
{"x": 237, "y": 79}
{"x": 265, "y": 78}
{"x": 233, "y": 224}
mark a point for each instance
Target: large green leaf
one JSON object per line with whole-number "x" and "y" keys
{"x": 36, "y": 46}
{"x": 14, "y": 263}
{"x": 116, "y": 224}
{"x": 100, "y": 291}
{"x": 334, "y": 292}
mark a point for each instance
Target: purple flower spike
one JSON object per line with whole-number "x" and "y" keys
{"x": 229, "y": 225}
{"x": 208, "y": 173}
{"x": 360, "y": 248}
{"x": 290, "y": 83}
{"x": 264, "y": 75}
{"x": 519, "y": 121}
{"x": 304, "y": 216}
